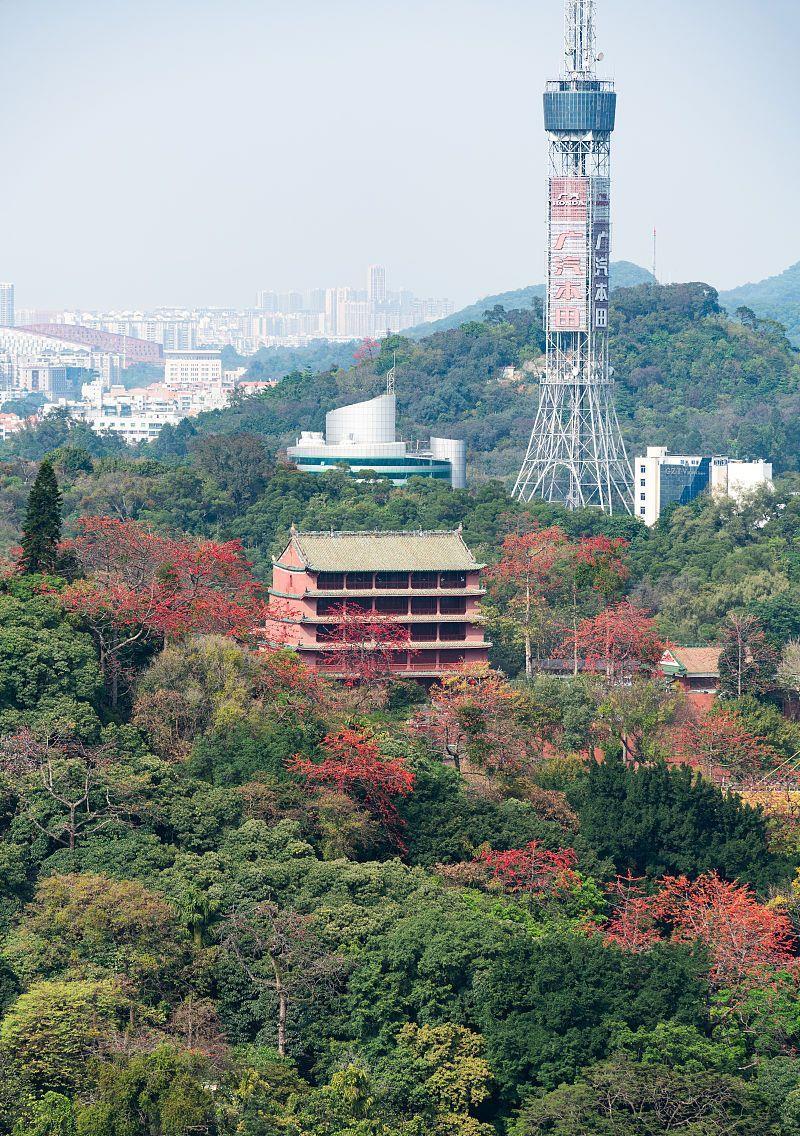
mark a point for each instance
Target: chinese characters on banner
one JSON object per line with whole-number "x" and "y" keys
{"x": 599, "y": 251}
{"x": 579, "y": 253}
{"x": 569, "y": 215}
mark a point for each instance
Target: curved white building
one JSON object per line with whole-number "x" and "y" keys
{"x": 363, "y": 423}
{"x": 363, "y": 437}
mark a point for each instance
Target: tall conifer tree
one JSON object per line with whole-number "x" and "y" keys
{"x": 41, "y": 531}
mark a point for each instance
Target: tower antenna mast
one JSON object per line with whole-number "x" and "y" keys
{"x": 579, "y": 38}
{"x": 576, "y": 455}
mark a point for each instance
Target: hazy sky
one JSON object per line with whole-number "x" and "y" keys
{"x": 190, "y": 152}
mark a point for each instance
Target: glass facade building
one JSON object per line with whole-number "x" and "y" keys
{"x": 683, "y": 483}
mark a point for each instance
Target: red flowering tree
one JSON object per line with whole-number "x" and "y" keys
{"x": 139, "y": 585}
{"x": 473, "y": 717}
{"x": 368, "y": 351}
{"x": 366, "y": 643}
{"x": 620, "y": 641}
{"x": 544, "y": 580}
{"x": 747, "y": 941}
{"x": 285, "y": 680}
{"x": 720, "y": 742}
{"x": 633, "y": 924}
{"x": 354, "y": 766}
{"x": 600, "y": 564}
{"x": 593, "y": 570}
{"x": 526, "y": 574}
{"x": 532, "y": 871}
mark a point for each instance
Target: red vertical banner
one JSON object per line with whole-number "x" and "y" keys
{"x": 569, "y": 254}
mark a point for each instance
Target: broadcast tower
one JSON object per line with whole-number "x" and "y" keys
{"x": 576, "y": 455}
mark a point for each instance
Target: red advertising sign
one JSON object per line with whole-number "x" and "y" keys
{"x": 578, "y": 284}
{"x": 569, "y": 253}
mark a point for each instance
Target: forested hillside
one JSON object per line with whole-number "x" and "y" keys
{"x": 276, "y": 362}
{"x": 238, "y": 900}
{"x": 689, "y": 377}
{"x": 698, "y": 564}
{"x": 776, "y": 298}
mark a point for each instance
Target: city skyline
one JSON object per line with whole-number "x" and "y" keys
{"x": 195, "y": 154}
{"x": 275, "y": 319}
{"x": 378, "y": 291}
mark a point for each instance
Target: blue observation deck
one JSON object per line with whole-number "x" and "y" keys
{"x": 580, "y": 106}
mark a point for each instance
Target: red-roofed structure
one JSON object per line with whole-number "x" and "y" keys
{"x": 134, "y": 350}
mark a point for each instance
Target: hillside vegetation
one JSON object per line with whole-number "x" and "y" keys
{"x": 237, "y": 900}
{"x": 689, "y": 377}
{"x": 776, "y": 298}
{"x": 695, "y": 566}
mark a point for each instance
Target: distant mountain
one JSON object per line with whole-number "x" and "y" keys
{"x": 624, "y": 274}
{"x": 776, "y": 298}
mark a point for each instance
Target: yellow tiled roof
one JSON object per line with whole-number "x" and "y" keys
{"x": 385, "y": 551}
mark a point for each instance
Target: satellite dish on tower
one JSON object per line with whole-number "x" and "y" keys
{"x": 600, "y": 57}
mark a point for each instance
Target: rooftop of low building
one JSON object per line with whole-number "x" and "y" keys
{"x": 697, "y": 661}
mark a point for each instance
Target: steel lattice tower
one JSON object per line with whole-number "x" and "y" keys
{"x": 576, "y": 455}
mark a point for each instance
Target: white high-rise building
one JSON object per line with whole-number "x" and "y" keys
{"x": 343, "y": 298}
{"x": 663, "y": 479}
{"x": 331, "y": 311}
{"x": 376, "y": 284}
{"x": 268, "y": 301}
{"x": 192, "y": 368}
{"x": 6, "y": 305}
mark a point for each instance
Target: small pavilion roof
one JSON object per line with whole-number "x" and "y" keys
{"x": 692, "y": 662}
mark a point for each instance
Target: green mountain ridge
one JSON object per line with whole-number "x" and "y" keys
{"x": 777, "y": 298}
{"x": 688, "y": 377}
{"x": 624, "y": 274}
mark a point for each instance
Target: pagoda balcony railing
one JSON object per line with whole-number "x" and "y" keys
{"x": 399, "y": 617}
{"x": 413, "y": 646}
{"x": 367, "y": 593}
{"x": 421, "y": 670}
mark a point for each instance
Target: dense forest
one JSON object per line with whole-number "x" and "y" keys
{"x": 542, "y": 899}
{"x": 238, "y": 900}
{"x": 689, "y": 377}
